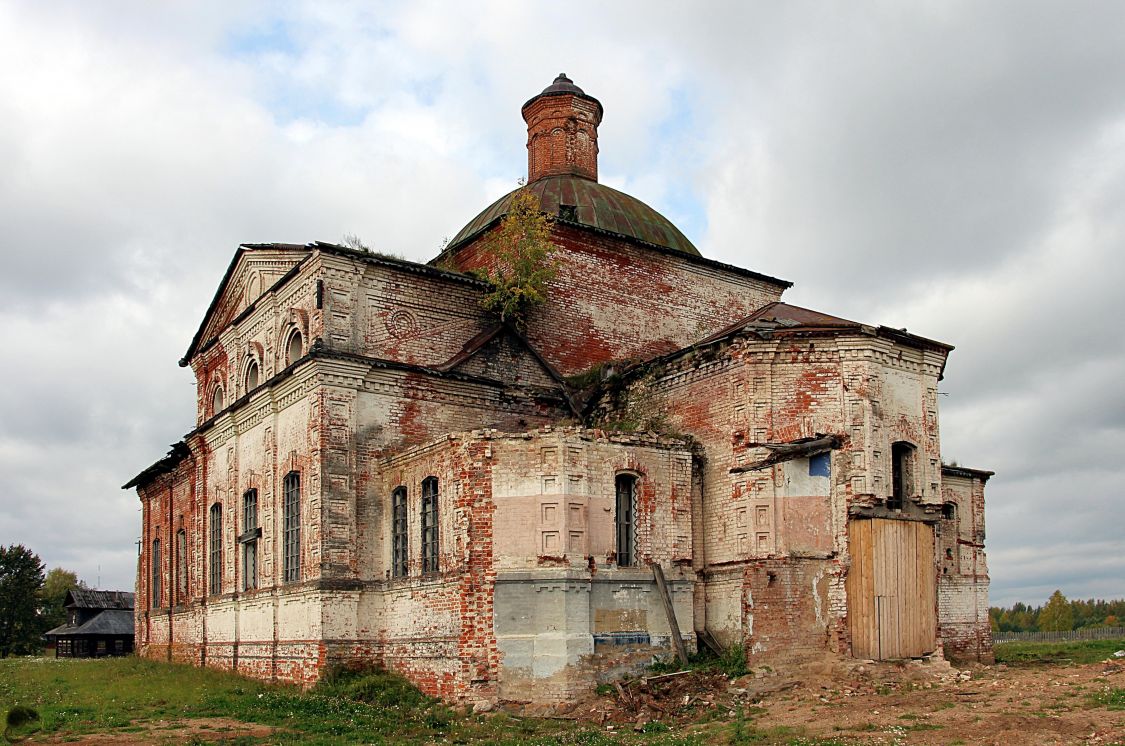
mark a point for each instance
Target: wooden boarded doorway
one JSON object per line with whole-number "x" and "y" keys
{"x": 892, "y": 604}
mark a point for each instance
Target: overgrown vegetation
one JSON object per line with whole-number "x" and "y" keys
{"x": 732, "y": 662}
{"x": 1078, "y": 651}
{"x": 524, "y": 266}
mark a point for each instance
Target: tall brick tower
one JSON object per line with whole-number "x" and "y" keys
{"x": 562, "y": 132}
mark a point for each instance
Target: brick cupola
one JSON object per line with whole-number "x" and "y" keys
{"x": 562, "y": 132}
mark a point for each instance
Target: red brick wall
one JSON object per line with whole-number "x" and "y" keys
{"x": 614, "y": 300}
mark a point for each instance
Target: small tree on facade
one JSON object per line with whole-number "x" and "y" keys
{"x": 1057, "y": 616}
{"x": 21, "y": 578}
{"x": 522, "y": 249}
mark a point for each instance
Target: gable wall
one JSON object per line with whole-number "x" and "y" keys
{"x": 613, "y": 300}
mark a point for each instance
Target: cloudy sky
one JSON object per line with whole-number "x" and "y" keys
{"x": 957, "y": 168}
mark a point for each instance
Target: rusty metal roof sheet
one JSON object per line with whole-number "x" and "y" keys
{"x": 595, "y": 206}
{"x": 88, "y": 598}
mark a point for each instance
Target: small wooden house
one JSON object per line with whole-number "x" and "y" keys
{"x": 98, "y": 623}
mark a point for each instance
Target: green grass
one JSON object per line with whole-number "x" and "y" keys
{"x": 149, "y": 700}
{"x": 1114, "y": 699}
{"x": 1079, "y": 651}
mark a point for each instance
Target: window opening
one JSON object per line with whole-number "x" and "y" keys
{"x": 902, "y": 474}
{"x": 949, "y": 511}
{"x": 156, "y": 595}
{"x": 215, "y": 565}
{"x": 399, "y": 555}
{"x": 250, "y": 540}
{"x": 292, "y": 532}
{"x": 429, "y": 525}
{"x": 252, "y": 376}
{"x": 624, "y": 518}
{"x": 181, "y": 566}
{"x": 294, "y": 349}
{"x": 218, "y": 401}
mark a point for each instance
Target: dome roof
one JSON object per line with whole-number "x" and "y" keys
{"x": 595, "y": 206}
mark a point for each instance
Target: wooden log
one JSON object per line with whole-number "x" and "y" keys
{"x": 670, "y": 611}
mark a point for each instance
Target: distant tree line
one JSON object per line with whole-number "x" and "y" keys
{"x": 1058, "y": 615}
{"x": 31, "y": 602}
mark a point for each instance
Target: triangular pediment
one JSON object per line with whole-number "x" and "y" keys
{"x": 503, "y": 354}
{"x": 253, "y": 271}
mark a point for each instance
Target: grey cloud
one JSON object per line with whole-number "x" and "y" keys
{"x": 955, "y": 168}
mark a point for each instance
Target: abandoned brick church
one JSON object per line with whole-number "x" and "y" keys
{"x": 381, "y": 471}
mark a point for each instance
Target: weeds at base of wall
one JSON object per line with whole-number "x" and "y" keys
{"x": 732, "y": 663}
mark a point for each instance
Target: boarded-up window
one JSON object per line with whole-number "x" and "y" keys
{"x": 429, "y": 525}
{"x": 399, "y": 550}
{"x": 292, "y": 529}
{"x": 625, "y": 519}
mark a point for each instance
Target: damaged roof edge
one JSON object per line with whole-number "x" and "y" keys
{"x": 964, "y": 471}
{"x": 178, "y": 452}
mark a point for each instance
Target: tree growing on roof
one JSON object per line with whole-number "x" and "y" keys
{"x": 524, "y": 266}
{"x": 21, "y": 577}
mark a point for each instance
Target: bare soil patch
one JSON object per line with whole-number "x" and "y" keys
{"x": 845, "y": 701}
{"x": 209, "y": 730}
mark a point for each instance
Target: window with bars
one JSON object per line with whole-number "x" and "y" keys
{"x": 215, "y": 537}
{"x": 429, "y": 525}
{"x": 181, "y": 567}
{"x": 292, "y": 529}
{"x": 400, "y": 558}
{"x": 156, "y": 574}
{"x": 249, "y": 539}
{"x": 625, "y": 519}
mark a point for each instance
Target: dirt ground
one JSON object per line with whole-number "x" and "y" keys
{"x": 910, "y": 703}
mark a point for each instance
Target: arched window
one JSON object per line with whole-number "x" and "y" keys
{"x": 400, "y": 559}
{"x": 251, "y": 376}
{"x": 181, "y": 567}
{"x": 292, "y": 528}
{"x": 294, "y": 347}
{"x": 625, "y": 519}
{"x": 429, "y": 525}
{"x": 218, "y": 401}
{"x": 215, "y": 576}
{"x": 156, "y": 574}
{"x": 249, "y": 539}
{"x": 902, "y": 474}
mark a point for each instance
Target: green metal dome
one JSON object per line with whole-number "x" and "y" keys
{"x": 594, "y": 206}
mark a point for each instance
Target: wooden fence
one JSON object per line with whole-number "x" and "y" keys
{"x": 1089, "y": 633}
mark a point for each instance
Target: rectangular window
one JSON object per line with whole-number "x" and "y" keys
{"x": 429, "y": 525}
{"x": 902, "y": 474}
{"x": 626, "y": 505}
{"x": 215, "y": 577}
{"x": 156, "y": 573}
{"x": 250, "y": 540}
{"x": 292, "y": 530}
{"x": 399, "y": 553}
{"x": 118, "y": 646}
{"x": 181, "y": 566}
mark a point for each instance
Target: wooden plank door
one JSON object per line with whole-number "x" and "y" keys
{"x": 892, "y": 605}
